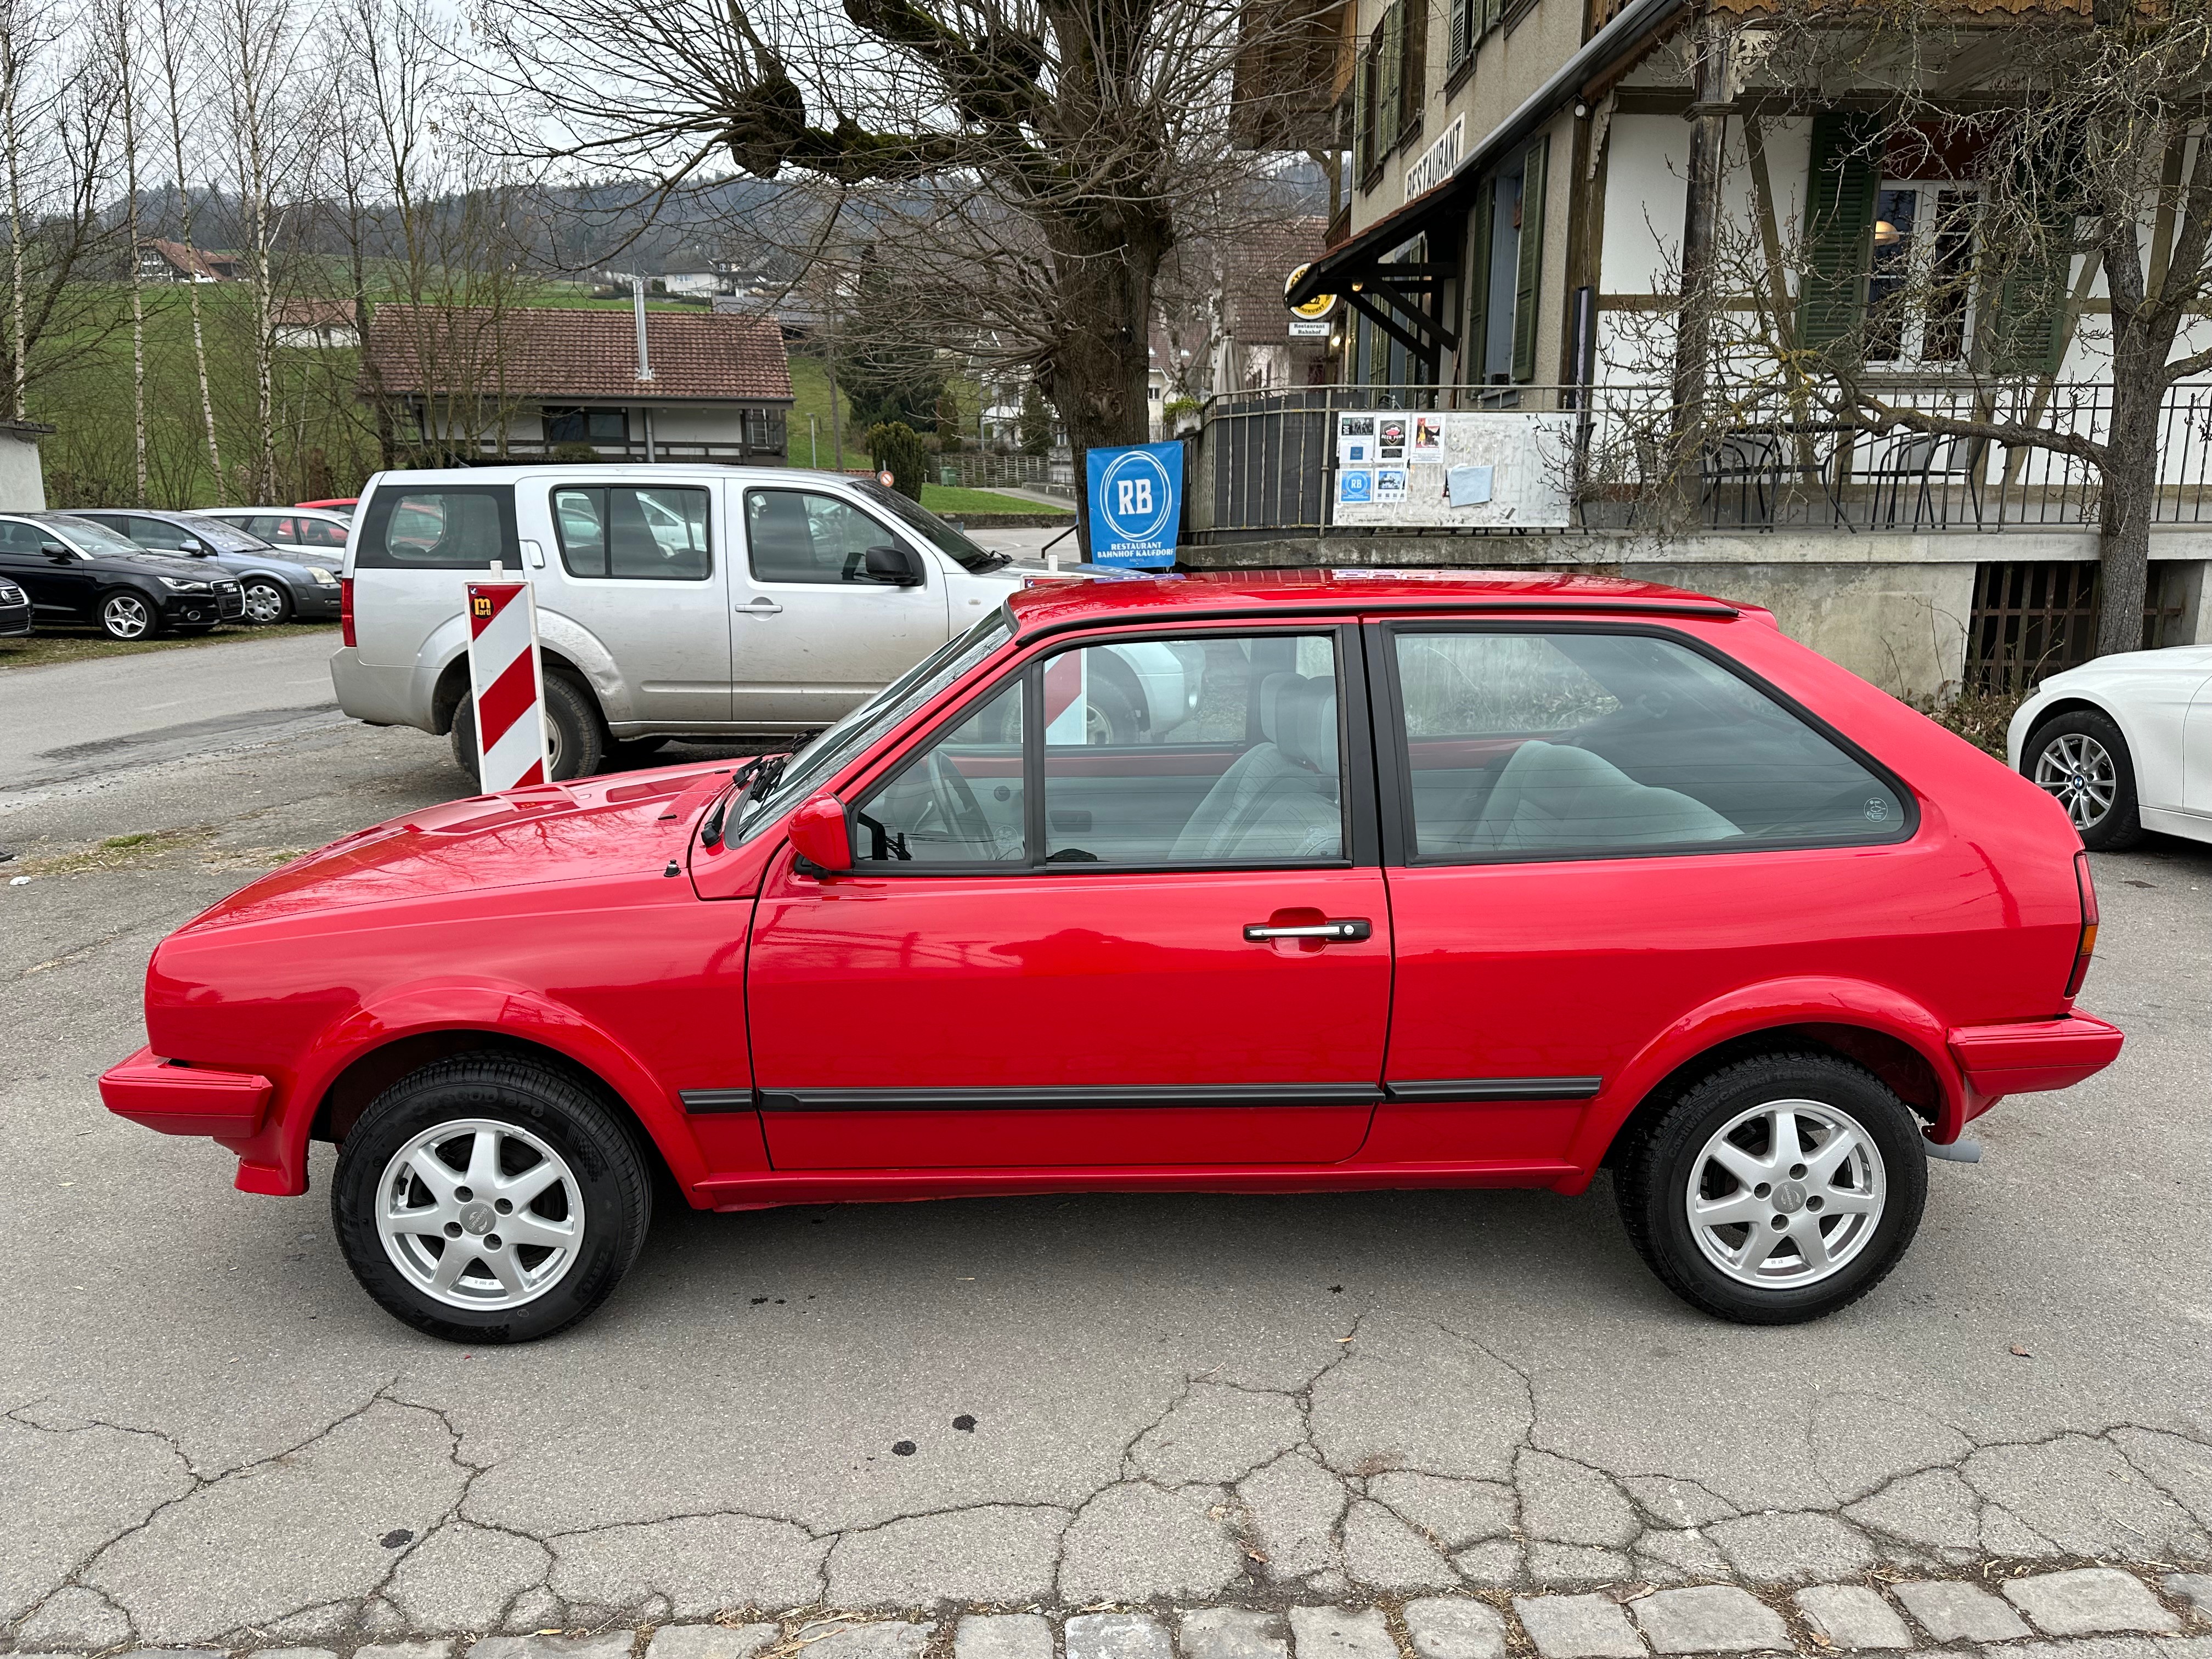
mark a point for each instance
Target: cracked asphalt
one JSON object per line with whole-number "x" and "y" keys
{"x": 209, "y": 1435}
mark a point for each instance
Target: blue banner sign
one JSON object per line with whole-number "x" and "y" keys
{"x": 1136, "y": 504}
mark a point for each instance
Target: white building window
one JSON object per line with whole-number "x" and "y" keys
{"x": 1920, "y": 293}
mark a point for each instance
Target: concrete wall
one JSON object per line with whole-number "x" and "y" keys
{"x": 1893, "y": 607}
{"x": 22, "y": 485}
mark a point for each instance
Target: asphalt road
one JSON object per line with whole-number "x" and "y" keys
{"x": 208, "y": 1433}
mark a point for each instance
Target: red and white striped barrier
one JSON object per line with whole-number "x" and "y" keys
{"x": 504, "y": 676}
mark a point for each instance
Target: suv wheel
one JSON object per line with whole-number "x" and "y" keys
{"x": 575, "y": 742}
{"x": 266, "y": 602}
{"x": 127, "y": 615}
{"x": 489, "y": 1198}
{"x": 1776, "y": 1190}
{"x": 2082, "y": 760}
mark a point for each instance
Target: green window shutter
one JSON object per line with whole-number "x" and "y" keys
{"x": 1414, "y": 83}
{"x": 1475, "y": 339}
{"x": 1464, "y": 13}
{"x": 2024, "y": 330}
{"x": 1842, "y": 186}
{"x": 1362, "y": 112}
{"x": 1389, "y": 95}
{"x": 1493, "y": 13}
{"x": 1528, "y": 280}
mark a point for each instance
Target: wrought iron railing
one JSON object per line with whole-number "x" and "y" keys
{"x": 1266, "y": 462}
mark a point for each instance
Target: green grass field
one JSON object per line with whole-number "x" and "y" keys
{"x": 954, "y": 502}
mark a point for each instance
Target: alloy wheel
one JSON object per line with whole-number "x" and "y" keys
{"x": 2080, "y": 772}
{"x": 264, "y": 603}
{"x": 480, "y": 1214}
{"x": 126, "y": 617}
{"x": 1786, "y": 1193}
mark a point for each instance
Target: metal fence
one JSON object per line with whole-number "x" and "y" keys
{"x": 1265, "y": 460}
{"x": 980, "y": 469}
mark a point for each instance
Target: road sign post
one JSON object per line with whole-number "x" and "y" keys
{"x": 1136, "y": 505}
{"x": 509, "y": 686}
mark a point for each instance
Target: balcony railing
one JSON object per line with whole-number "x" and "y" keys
{"x": 1266, "y": 461}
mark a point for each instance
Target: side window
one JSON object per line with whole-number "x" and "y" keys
{"x": 1567, "y": 745}
{"x": 959, "y": 801}
{"x": 656, "y": 534}
{"x": 312, "y": 533}
{"x": 154, "y": 532}
{"x": 16, "y": 536}
{"x": 800, "y": 536}
{"x": 1211, "y": 749}
{"x": 439, "y": 528}
{"x": 267, "y": 526}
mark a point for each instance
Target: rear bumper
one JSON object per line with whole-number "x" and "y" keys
{"x": 2035, "y": 1054}
{"x": 185, "y": 1100}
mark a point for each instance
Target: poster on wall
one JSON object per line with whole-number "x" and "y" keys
{"x": 1490, "y": 469}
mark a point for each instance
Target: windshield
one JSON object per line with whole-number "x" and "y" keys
{"x": 222, "y": 536}
{"x": 89, "y": 537}
{"x": 941, "y": 535}
{"x": 809, "y": 765}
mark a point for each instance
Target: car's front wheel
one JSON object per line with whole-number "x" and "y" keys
{"x": 125, "y": 614}
{"x": 2081, "y": 759}
{"x": 489, "y": 1198}
{"x": 266, "y": 601}
{"x": 1776, "y": 1189}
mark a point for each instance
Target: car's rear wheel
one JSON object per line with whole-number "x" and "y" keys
{"x": 266, "y": 602}
{"x": 2081, "y": 759}
{"x": 125, "y": 614}
{"x": 489, "y": 1198}
{"x": 575, "y": 742}
{"x": 1776, "y": 1189}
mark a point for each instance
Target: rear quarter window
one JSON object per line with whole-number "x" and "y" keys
{"x": 438, "y": 527}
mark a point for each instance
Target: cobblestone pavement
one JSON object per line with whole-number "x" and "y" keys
{"x": 1435, "y": 1423}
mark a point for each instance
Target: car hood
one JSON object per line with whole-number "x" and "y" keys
{"x": 632, "y": 823}
{"x": 158, "y": 564}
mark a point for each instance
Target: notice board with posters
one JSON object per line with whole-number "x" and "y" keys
{"x": 1492, "y": 469}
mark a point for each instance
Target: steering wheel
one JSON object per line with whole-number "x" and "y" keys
{"x": 956, "y": 803}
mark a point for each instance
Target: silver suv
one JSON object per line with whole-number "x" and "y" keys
{"x": 673, "y": 601}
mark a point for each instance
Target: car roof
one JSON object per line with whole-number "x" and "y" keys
{"x": 1050, "y": 604}
{"x": 597, "y": 472}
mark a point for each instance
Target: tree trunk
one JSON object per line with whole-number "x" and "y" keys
{"x": 2124, "y": 506}
{"x": 1701, "y": 200}
{"x": 1106, "y": 268}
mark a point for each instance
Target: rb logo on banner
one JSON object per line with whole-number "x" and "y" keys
{"x": 1136, "y": 504}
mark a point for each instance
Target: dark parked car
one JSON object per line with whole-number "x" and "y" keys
{"x": 280, "y": 583}
{"x": 14, "y": 610}
{"x": 75, "y": 570}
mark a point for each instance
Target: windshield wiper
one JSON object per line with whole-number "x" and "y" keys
{"x": 758, "y": 775}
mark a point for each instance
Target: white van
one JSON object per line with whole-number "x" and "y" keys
{"x": 675, "y": 601}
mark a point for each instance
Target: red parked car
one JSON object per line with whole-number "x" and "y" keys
{"x": 1462, "y": 881}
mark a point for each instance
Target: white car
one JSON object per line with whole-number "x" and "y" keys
{"x": 681, "y": 601}
{"x": 321, "y": 529}
{"x": 2124, "y": 742}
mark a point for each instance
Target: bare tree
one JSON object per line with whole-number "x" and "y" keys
{"x": 119, "y": 22}
{"x": 172, "y": 24}
{"x": 1025, "y": 165}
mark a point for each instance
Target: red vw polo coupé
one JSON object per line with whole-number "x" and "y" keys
{"x": 1271, "y": 883}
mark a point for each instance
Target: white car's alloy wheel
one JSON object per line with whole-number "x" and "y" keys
{"x": 2080, "y": 772}
{"x": 1785, "y": 1195}
{"x": 480, "y": 1214}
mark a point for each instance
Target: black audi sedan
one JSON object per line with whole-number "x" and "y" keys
{"x": 14, "y": 610}
{"x": 75, "y": 570}
{"x": 280, "y": 583}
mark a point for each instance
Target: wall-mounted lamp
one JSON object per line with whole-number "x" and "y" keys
{"x": 1885, "y": 233}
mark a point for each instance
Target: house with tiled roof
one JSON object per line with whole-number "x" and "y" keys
{"x": 172, "y": 262}
{"x": 518, "y": 384}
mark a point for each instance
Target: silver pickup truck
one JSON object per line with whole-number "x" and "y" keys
{"x": 677, "y": 601}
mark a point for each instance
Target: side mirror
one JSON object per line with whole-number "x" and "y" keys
{"x": 56, "y": 551}
{"x": 892, "y": 565}
{"x": 192, "y": 549}
{"x": 818, "y": 835}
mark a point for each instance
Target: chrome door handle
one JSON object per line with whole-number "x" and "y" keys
{"x": 762, "y": 606}
{"x": 1351, "y": 927}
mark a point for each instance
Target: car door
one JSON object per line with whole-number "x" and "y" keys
{"x": 638, "y": 572}
{"x": 60, "y": 585}
{"x": 1591, "y": 832}
{"x": 813, "y": 637}
{"x": 1056, "y": 948}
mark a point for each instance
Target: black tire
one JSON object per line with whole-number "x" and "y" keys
{"x": 2070, "y": 743}
{"x": 611, "y": 1179}
{"x": 580, "y": 742}
{"x": 635, "y": 751}
{"x": 125, "y": 615}
{"x": 1664, "y": 1152}
{"x": 270, "y": 596}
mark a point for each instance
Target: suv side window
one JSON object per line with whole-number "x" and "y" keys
{"x": 1586, "y": 743}
{"x": 802, "y": 536}
{"x": 16, "y": 536}
{"x": 1197, "y": 752}
{"x": 156, "y": 533}
{"x": 439, "y": 528}
{"x": 656, "y": 534}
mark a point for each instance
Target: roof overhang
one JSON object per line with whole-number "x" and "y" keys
{"x": 1624, "y": 38}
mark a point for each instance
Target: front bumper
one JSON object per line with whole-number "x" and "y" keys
{"x": 224, "y": 604}
{"x": 315, "y": 603}
{"x": 14, "y": 621}
{"x": 177, "y": 1099}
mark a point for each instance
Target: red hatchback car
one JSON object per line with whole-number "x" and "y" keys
{"x": 1277, "y": 883}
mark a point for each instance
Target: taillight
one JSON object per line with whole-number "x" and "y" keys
{"x": 2088, "y": 947}
{"x": 345, "y": 612}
